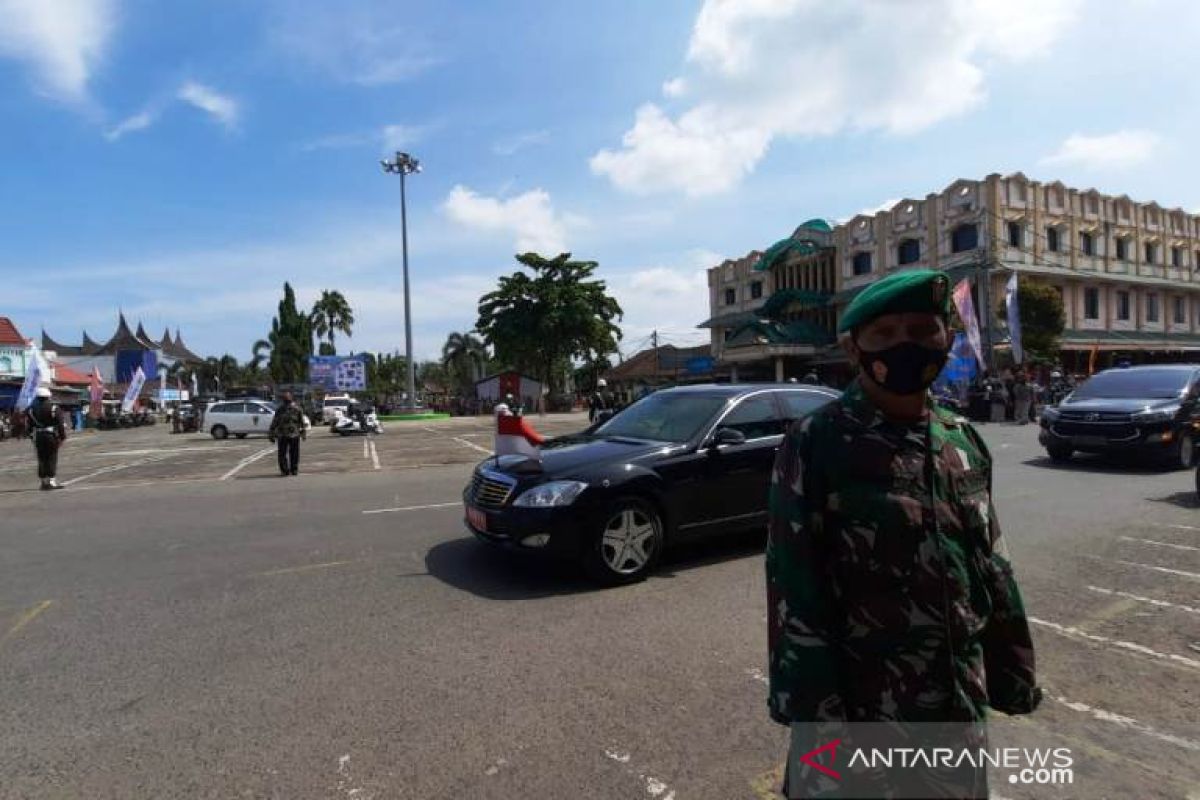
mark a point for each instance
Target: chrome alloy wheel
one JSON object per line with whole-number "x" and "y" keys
{"x": 629, "y": 540}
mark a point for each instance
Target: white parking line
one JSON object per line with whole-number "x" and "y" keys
{"x": 472, "y": 445}
{"x": 1183, "y": 573}
{"x": 1159, "y": 544}
{"x": 245, "y": 462}
{"x": 366, "y": 449}
{"x": 1075, "y": 633}
{"x": 374, "y": 454}
{"x": 116, "y": 468}
{"x": 411, "y": 508}
{"x": 1128, "y": 722}
{"x": 1150, "y": 600}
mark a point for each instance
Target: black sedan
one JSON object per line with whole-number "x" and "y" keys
{"x": 677, "y": 464}
{"x": 1151, "y": 411}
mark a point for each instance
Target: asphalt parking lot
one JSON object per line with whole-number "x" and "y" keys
{"x": 182, "y": 622}
{"x": 101, "y": 460}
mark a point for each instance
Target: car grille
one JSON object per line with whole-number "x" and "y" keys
{"x": 1093, "y": 417}
{"x": 1107, "y": 430}
{"x": 490, "y": 490}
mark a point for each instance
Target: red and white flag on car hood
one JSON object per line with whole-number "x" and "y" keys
{"x": 515, "y": 436}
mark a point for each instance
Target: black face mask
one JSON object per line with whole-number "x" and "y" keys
{"x": 906, "y": 368}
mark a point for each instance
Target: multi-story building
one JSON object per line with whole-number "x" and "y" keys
{"x": 770, "y": 311}
{"x": 1128, "y": 272}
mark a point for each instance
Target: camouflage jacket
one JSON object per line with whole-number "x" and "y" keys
{"x": 288, "y": 422}
{"x": 889, "y": 589}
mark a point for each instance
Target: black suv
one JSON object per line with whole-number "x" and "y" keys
{"x": 1150, "y": 410}
{"x": 677, "y": 464}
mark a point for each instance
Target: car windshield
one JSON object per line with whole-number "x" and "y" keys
{"x": 664, "y": 417}
{"x": 1135, "y": 384}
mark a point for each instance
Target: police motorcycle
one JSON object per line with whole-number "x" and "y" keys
{"x": 357, "y": 423}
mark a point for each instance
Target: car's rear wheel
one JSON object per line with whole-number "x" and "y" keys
{"x": 220, "y": 432}
{"x": 627, "y": 544}
{"x": 1059, "y": 452}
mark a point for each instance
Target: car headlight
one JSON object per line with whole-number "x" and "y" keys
{"x": 1049, "y": 414}
{"x": 553, "y": 493}
{"x": 1157, "y": 414}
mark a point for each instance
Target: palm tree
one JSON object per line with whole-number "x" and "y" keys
{"x": 330, "y": 314}
{"x": 464, "y": 356}
{"x": 260, "y": 354}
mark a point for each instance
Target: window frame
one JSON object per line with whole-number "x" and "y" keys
{"x": 1087, "y": 243}
{"x": 1018, "y": 229}
{"x": 730, "y": 296}
{"x": 961, "y": 230}
{"x": 1152, "y": 309}
{"x": 756, "y": 290}
{"x": 901, "y": 249}
{"x": 1091, "y": 292}
{"x": 1124, "y": 306}
{"x": 767, "y": 394}
{"x": 854, "y": 263}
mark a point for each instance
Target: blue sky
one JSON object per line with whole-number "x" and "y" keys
{"x": 181, "y": 160}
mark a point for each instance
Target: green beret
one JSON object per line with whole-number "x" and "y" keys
{"x": 913, "y": 290}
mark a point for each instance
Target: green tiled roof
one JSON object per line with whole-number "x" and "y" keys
{"x": 779, "y": 301}
{"x": 729, "y": 320}
{"x": 774, "y": 332}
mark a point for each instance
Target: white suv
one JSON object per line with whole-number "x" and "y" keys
{"x": 238, "y": 417}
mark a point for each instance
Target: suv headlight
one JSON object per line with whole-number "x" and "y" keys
{"x": 1049, "y": 414}
{"x": 1157, "y": 415}
{"x": 547, "y": 495}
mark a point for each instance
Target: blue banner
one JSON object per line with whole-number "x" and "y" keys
{"x": 338, "y": 373}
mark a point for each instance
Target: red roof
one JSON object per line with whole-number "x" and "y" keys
{"x": 67, "y": 376}
{"x": 9, "y": 335}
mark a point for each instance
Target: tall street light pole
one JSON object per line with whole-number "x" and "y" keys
{"x": 403, "y": 165}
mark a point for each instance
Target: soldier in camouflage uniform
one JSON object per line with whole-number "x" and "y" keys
{"x": 288, "y": 427}
{"x": 890, "y": 594}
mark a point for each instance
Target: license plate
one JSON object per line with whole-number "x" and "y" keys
{"x": 477, "y": 519}
{"x": 1090, "y": 441}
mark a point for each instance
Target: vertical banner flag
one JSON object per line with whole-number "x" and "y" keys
{"x": 195, "y": 387}
{"x": 33, "y": 379}
{"x": 1014, "y": 319}
{"x": 966, "y": 312}
{"x": 135, "y": 388}
{"x": 97, "y": 394}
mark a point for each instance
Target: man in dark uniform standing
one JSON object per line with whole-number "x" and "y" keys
{"x": 288, "y": 427}
{"x": 46, "y": 427}
{"x": 891, "y": 600}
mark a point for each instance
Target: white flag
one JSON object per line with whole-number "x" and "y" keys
{"x": 1014, "y": 319}
{"x": 33, "y": 379}
{"x": 135, "y": 388}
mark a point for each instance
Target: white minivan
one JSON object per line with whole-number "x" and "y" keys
{"x": 239, "y": 418}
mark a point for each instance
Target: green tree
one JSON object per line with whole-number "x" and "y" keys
{"x": 220, "y": 373}
{"x": 554, "y": 313}
{"x": 1042, "y": 319}
{"x": 331, "y": 314}
{"x": 290, "y": 341}
{"x": 464, "y": 356}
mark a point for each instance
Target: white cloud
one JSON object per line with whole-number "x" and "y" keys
{"x": 530, "y": 217}
{"x": 759, "y": 70}
{"x": 670, "y": 300}
{"x": 61, "y": 40}
{"x": 506, "y": 147}
{"x": 354, "y": 41}
{"x": 387, "y": 139}
{"x": 222, "y": 108}
{"x": 138, "y": 122}
{"x": 1117, "y": 150}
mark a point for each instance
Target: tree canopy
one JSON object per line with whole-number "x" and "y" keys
{"x": 290, "y": 341}
{"x": 1040, "y": 307}
{"x": 541, "y": 318}
{"x": 464, "y": 356}
{"x": 330, "y": 314}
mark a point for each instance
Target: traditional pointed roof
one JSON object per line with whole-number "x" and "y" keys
{"x": 181, "y": 351}
{"x": 165, "y": 342}
{"x": 90, "y": 345}
{"x": 123, "y": 339}
{"x": 9, "y": 335}
{"x": 61, "y": 349}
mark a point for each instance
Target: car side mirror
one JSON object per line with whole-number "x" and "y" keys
{"x": 728, "y": 436}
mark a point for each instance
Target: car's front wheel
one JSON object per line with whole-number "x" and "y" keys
{"x": 1185, "y": 452}
{"x": 627, "y": 544}
{"x": 220, "y": 432}
{"x": 1059, "y": 452}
